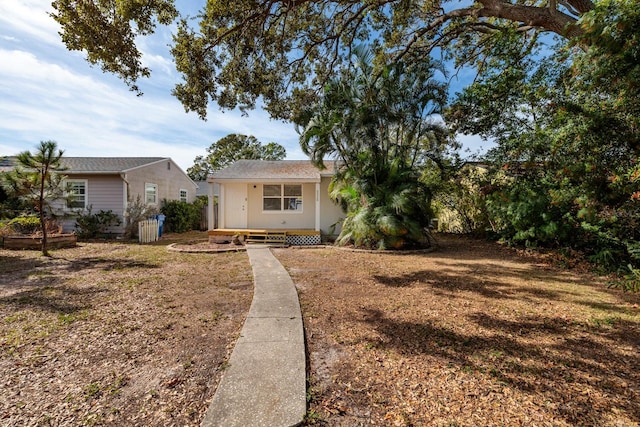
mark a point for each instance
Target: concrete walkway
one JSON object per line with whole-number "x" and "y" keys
{"x": 265, "y": 383}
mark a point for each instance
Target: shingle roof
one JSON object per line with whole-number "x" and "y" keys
{"x": 106, "y": 164}
{"x": 6, "y": 163}
{"x": 255, "y": 170}
{"x": 93, "y": 164}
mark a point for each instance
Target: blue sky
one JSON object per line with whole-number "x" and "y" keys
{"x": 50, "y": 93}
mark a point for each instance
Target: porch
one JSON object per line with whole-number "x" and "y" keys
{"x": 295, "y": 237}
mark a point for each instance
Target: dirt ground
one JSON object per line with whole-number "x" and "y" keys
{"x": 473, "y": 334}
{"x": 116, "y": 334}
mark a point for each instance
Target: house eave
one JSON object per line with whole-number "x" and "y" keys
{"x": 263, "y": 180}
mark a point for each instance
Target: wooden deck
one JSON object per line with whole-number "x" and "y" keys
{"x": 246, "y": 231}
{"x": 278, "y": 236}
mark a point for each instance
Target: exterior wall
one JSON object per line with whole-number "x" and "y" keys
{"x": 256, "y": 218}
{"x": 330, "y": 212}
{"x": 167, "y": 175}
{"x": 104, "y": 192}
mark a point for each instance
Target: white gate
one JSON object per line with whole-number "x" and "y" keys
{"x": 148, "y": 231}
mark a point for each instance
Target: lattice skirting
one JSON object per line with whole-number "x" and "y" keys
{"x": 303, "y": 240}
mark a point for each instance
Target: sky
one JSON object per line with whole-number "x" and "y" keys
{"x": 50, "y": 93}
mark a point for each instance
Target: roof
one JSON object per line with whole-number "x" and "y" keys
{"x": 107, "y": 164}
{"x": 6, "y": 164}
{"x": 272, "y": 170}
{"x": 102, "y": 165}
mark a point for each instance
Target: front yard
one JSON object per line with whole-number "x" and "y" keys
{"x": 473, "y": 334}
{"x": 116, "y": 334}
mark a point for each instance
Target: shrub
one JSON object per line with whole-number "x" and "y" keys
{"x": 136, "y": 211}
{"x": 180, "y": 216}
{"x": 90, "y": 225}
{"x": 25, "y": 224}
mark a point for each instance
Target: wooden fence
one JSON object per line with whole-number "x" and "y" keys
{"x": 148, "y": 231}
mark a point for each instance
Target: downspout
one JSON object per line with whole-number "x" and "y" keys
{"x": 125, "y": 197}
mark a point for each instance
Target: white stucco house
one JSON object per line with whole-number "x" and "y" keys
{"x": 284, "y": 199}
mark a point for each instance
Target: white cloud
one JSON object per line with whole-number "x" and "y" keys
{"x": 88, "y": 117}
{"x": 29, "y": 17}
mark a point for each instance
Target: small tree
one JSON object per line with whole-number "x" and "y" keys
{"x": 37, "y": 180}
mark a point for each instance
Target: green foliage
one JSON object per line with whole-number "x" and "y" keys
{"x": 37, "y": 180}
{"x": 11, "y": 205}
{"x": 231, "y": 148}
{"x": 180, "y": 216}
{"x": 630, "y": 282}
{"x": 108, "y": 31}
{"x": 236, "y": 53}
{"x": 25, "y": 224}
{"x": 459, "y": 202}
{"x": 566, "y": 167}
{"x": 375, "y": 121}
{"x": 91, "y": 225}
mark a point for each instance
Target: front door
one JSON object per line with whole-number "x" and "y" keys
{"x": 236, "y": 206}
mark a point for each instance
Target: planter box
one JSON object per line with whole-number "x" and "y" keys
{"x": 55, "y": 241}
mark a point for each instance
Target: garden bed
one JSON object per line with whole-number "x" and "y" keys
{"x": 55, "y": 241}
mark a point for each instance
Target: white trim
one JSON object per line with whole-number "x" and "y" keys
{"x": 317, "y": 206}
{"x": 69, "y": 181}
{"x": 221, "y": 207}
{"x": 252, "y": 180}
{"x": 210, "y": 199}
{"x": 282, "y": 197}
{"x": 186, "y": 195}
{"x": 146, "y": 201}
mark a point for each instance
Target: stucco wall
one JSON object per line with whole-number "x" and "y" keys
{"x": 330, "y": 213}
{"x": 256, "y": 218}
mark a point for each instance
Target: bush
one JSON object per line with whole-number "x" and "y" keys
{"x": 180, "y": 216}
{"x": 25, "y": 224}
{"x": 136, "y": 211}
{"x": 90, "y": 225}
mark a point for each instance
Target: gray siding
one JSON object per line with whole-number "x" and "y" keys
{"x": 104, "y": 192}
{"x": 167, "y": 175}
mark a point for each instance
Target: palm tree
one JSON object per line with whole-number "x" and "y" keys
{"x": 37, "y": 179}
{"x": 376, "y": 121}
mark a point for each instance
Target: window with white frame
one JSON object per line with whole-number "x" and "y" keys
{"x": 282, "y": 197}
{"x": 76, "y": 193}
{"x": 151, "y": 194}
{"x": 183, "y": 195}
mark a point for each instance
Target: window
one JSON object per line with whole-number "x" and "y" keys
{"x": 151, "y": 194}
{"x": 76, "y": 194}
{"x": 282, "y": 197}
{"x": 183, "y": 195}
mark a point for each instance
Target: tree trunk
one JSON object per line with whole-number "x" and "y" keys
{"x": 43, "y": 222}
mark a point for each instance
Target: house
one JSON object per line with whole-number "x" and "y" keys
{"x": 284, "y": 199}
{"x": 111, "y": 183}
